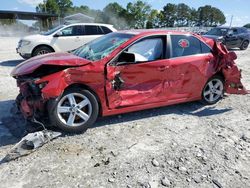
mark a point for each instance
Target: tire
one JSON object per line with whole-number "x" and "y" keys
{"x": 75, "y": 111}
{"x": 213, "y": 90}
{"x": 24, "y": 57}
{"x": 42, "y": 50}
{"x": 244, "y": 45}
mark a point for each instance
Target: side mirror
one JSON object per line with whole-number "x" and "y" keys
{"x": 126, "y": 57}
{"x": 58, "y": 34}
{"x": 229, "y": 35}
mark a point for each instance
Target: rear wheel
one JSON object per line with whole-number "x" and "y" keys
{"x": 213, "y": 90}
{"x": 42, "y": 50}
{"x": 75, "y": 111}
{"x": 244, "y": 45}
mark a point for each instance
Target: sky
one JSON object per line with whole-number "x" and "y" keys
{"x": 238, "y": 8}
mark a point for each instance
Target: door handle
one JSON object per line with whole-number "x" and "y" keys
{"x": 163, "y": 68}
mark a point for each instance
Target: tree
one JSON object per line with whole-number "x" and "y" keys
{"x": 183, "y": 15}
{"x": 138, "y": 13}
{"x": 210, "y": 16}
{"x": 193, "y": 20}
{"x": 168, "y": 15}
{"x": 64, "y": 6}
{"x": 49, "y": 6}
{"x": 115, "y": 14}
{"x": 153, "y": 19}
{"x": 247, "y": 26}
{"x": 59, "y": 7}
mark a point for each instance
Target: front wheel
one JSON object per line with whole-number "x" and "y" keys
{"x": 213, "y": 90}
{"x": 75, "y": 111}
{"x": 42, "y": 50}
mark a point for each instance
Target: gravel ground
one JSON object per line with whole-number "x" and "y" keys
{"x": 187, "y": 145}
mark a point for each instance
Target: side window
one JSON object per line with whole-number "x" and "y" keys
{"x": 73, "y": 31}
{"x": 93, "y": 30}
{"x": 105, "y": 30}
{"x": 148, "y": 49}
{"x": 243, "y": 30}
{"x": 235, "y": 31}
{"x": 68, "y": 31}
{"x": 205, "y": 49}
{"x": 183, "y": 45}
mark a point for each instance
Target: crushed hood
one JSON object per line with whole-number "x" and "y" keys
{"x": 58, "y": 59}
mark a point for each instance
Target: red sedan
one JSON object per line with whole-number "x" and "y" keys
{"x": 123, "y": 72}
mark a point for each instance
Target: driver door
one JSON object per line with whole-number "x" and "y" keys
{"x": 131, "y": 83}
{"x": 233, "y": 39}
{"x": 70, "y": 38}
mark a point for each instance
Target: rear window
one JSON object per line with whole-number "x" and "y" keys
{"x": 185, "y": 45}
{"x": 205, "y": 49}
{"x": 93, "y": 30}
{"x": 105, "y": 30}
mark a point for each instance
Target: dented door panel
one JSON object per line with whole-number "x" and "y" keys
{"x": 143, "y": 83}
{"x": 188, "y": 76}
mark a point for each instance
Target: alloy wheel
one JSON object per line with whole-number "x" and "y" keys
{"x": 213, "y": 90}
{"x": 74, "y": 109}
{"x": 245, "y": 45}
{"x": 42, "y": 52}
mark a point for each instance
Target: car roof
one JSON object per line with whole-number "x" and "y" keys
{"x": 99, "y": 24}
{"x": 154, "y": 32}
{"x": 150, "y": 32}
{"x": 227, "y": 27}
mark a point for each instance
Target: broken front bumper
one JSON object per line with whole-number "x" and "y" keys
{"x": 30, "y": 101}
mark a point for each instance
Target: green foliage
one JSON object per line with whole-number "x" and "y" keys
{"x": 247, "y": 26}
{"x": 138, "y": 13}
{"x": 59, "y": 7}
{"x": 210, "y": 16}
{"x": 169, "y": 15}
{"x": 115, "y": 14}
{"x": 153, "y": 19}
{"x": 183, "y": 14}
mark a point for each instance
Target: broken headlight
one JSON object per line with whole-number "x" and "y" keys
{"x": 42, "y": 85}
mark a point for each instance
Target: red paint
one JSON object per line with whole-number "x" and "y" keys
{"x": 146, "y": 85}
{"x": 62, "y": 59}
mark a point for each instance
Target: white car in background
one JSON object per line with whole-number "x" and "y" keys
{"x": 63, "y": 38}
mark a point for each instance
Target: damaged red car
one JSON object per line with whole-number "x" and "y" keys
{"x": 123, "y": 72}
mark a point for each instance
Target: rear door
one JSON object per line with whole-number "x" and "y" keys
{"x": 190, "y": 66}
{"x": 233, "y": 38}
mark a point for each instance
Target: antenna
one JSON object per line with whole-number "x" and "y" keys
{"x": 231, "y": 21}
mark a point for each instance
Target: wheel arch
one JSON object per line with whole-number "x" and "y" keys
{"x": 220, "y": 73}
{"x": 244, "y": 40}
{"x": 41, "y": 45}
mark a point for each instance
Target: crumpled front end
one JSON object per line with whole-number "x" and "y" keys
{"x": 30, "y": 101}
{"x": 225, "y": 63}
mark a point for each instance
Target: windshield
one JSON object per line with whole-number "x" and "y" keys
{"x": 53, "y": 30}
{"x": 102, "y": 46}
{"x": 217, "y": 31}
